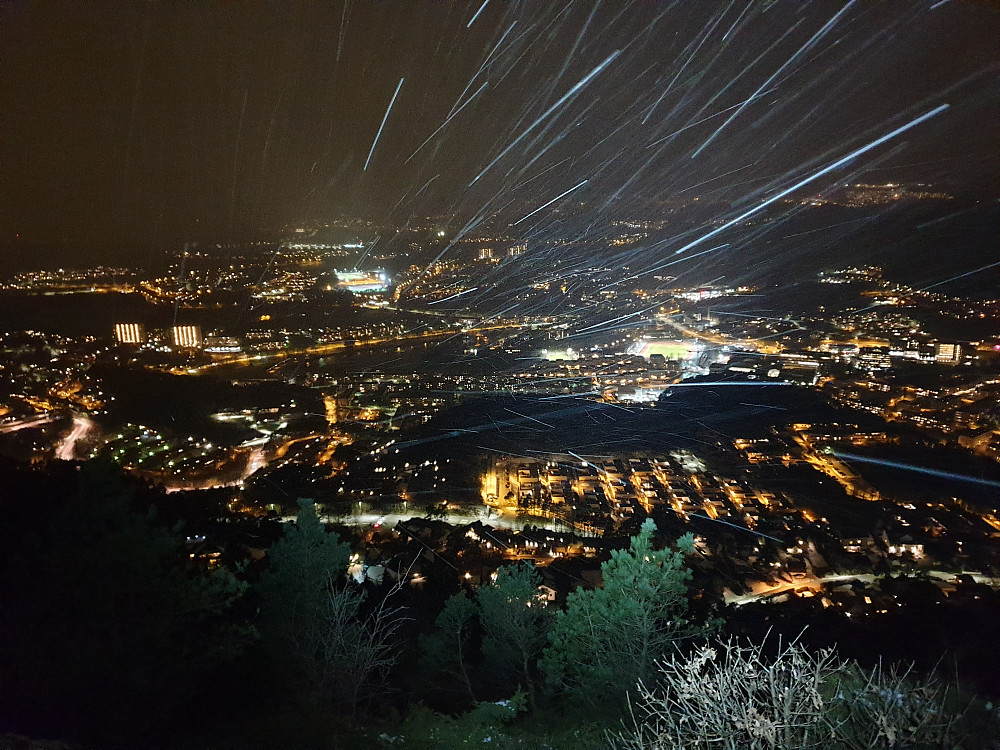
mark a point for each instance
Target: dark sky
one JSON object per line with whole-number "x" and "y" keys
{"x": 142, "y": 125}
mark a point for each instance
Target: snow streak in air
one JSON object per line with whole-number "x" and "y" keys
{"x": 386, "y": 117}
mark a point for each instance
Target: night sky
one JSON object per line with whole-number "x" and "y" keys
{"x": 140, "y": 126}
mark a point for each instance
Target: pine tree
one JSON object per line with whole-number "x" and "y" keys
{"x": 318, "y": 626}
{"x": 446, "y": 650}
{"x": 609, "y": 638}
{"x": 516, "y": 623}
{"x": 294, "y": 593}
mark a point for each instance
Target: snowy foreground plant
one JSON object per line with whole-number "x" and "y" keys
{"x": 731, "y": 697}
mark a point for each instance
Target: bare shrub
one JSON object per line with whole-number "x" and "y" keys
{"x": 732, "y": 697}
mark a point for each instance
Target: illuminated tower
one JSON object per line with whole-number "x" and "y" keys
{"x": 330, "y": 406}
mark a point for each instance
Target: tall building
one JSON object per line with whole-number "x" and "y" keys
{"x": 874, "y": 357}
{"x": 186, "y": 337}
{"x": 130, "y": 333}
{"x": 948, "y": 354}
{"x": 486, "y": 253}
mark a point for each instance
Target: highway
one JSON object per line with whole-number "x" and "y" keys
{"x": 27, "y": 423}
{"x": 319, "y": 350}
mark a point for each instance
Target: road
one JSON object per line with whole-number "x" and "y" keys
{"x": 319, "y": 350}
{"x": 468, "y": 515}
{"x": 817, "y": 584}
{"x": 828, "y": 464}
{"x": 27, "y": 423}
{"x": 810, "y": 582}
{"x": 242, "y": 464}
{"x": 82, "y": 427}
{"x": 767, "y": 347}
{"x": 310, "y": 351}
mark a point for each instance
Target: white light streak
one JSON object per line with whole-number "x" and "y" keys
{"x": 550, "y": 202}
{"x": 812, "y": 40}
{"x": 386, "y": 117}
{"x": 481, "y": 68}
{"x": 826, "y": 170}
{"x": 459, "y": 294}
{"x": 477, "y": 14}
{"x": 447, "y": 120}
{"x": 583, "y": 82}
{"x": 670, "y": 85}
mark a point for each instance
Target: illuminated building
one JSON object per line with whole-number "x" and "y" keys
{"x": 556, "y": 355}
{"x": 222, "y": 345}
{"x": 485, "y": 253}
{"x": 874, "y": 357}
{"x": 948, "y": 354}
{"x": 186, "y": 337}
{"x": 129, "y": 333}
{"x": 358, "y": 282}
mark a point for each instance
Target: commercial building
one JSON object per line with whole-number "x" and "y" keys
{"x": 186, "y": 337}
{"x": 130, "y": 333}
{"x": 948, "y": 354}
{"x": 874, "y": 357}
{"x": 222, "y": 345}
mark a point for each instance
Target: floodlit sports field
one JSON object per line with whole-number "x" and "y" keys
{"x": 669, "y": 348}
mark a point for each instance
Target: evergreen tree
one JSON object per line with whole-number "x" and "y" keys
{"x": 516, "y": 622}
{"x": 108, "y": 631}
{"x": 318, "y": 627}
{"x": 446, "y": 650}
{"x": 609, "y": 638}
{"x": 294, "y": 594}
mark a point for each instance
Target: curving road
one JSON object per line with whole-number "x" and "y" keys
{"x": 82, "y": 427}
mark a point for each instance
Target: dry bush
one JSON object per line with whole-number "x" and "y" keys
{"x": 732, "y": 697}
